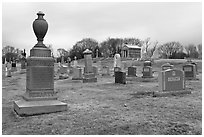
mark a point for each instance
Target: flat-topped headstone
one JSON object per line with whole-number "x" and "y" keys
{"x": 120, "y": 77}
{"x": 77, "y": 74}
{"x": 105, "y": 71}
{"x": 147, "y": 72}
{"x": 189, "y": 71}
{"x": 132, "y": 71}
{"x": 167, "y": 66}
{"x": 89, "y": 76}
{"x": 40, "y": 96}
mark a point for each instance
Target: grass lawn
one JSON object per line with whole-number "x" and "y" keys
{"x": 105, "y": 108}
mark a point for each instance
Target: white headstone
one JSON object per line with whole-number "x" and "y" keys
{"x": 75, "y": 62}
{"x": 117, "y": 61}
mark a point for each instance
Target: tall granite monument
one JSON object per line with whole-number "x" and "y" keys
{"x": 40, "y": 96}
{"x": 89, "y": 76}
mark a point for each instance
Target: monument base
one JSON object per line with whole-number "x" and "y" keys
{"x": 26, "y": 108}
{"x": 105, "y": 74}
{"x": 191, "y": 78}
{"x": 77, "y": 78}
{"x": 22, "y": 71}
{"x": 147, "y": 77}
{"x": 87, "y": 80}
{"x": 170, "y": 93}
{"x": 63, "y": 76}
{"x": 89, "y": 77}
{"x": 131, "y": 76}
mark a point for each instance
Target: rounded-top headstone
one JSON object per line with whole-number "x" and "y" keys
{"x": 147, "y": 63}
{"x": 87, "y": 51}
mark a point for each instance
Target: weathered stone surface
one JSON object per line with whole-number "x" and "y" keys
{"x": 171, "y": 80}
{"x": 148, "y": 63}
{"x": 95, "y": 70}
{"x": 117, "y": 61}
{"x": 40, "y": 96}
{"x": 89, "y": 76}
{"x": 189, "y": 71}
{"x": 23, "y": 63}
{"x": 63, "y": 69}
{"x": 132, "y": 71}
{"x": 105, "y": 71}
{"x": 147, "y": 72}
{"x": 167, "y": 66}
{"x": 77, "y": 74}
{"x": 26, "y": 108}
{"x": 120, "y": 77}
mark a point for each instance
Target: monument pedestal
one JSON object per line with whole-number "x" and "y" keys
{"x": 40, "y": 97}
{"x": 89, "y": 77}
{"x": 22, "y": 71}
{"x": 26, "y": 108}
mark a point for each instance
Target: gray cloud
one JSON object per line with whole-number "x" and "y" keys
{"x": 70, "y": 22}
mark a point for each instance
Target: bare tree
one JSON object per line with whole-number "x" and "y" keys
{"x": 147, "y": 43}
{"x": 169, "y": 48}
{"x": 151, "y": 51}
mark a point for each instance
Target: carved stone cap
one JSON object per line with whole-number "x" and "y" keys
{"x": 87, "y": 51}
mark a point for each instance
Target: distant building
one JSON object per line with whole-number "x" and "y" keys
{"x": 131, "y": 51}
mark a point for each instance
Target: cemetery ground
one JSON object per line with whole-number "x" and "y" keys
{"x": 107, "y": 108}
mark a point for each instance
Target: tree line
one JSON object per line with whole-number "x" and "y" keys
{"x": 111, "y": 46}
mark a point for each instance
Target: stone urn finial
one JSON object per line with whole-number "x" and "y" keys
{"x": 40, "y": 27}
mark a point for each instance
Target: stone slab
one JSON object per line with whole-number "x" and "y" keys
{"x": 22, "y": 71}
{"x": 147, "y": 77}
{"x": 26, "y": 108}
{"x": 87, "y": 80}
{"x": 77, "y": 78}
{"x": 170, "y": 93}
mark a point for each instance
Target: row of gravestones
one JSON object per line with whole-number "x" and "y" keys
{"x": 170, "y": 79}
{"x": 190, "y": 70}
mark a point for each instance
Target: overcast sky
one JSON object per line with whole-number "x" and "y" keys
{"x": 70, "y": 22}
